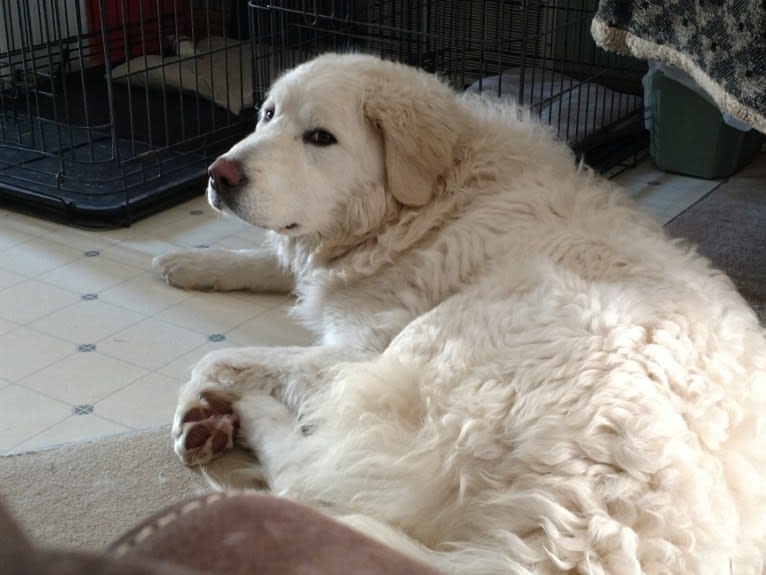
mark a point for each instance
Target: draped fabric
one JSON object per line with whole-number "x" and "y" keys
{"x": 721, "y": 44}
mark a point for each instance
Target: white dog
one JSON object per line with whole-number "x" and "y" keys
{"x": 516, "y": 371}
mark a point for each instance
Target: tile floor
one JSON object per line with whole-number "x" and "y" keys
{"x": 92, "y": 343}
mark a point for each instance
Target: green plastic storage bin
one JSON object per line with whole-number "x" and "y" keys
{"x": 689, "y": 136}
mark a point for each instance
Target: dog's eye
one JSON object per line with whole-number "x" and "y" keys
{"x": 268, "y": 114}
{"x": 319, "y": 137}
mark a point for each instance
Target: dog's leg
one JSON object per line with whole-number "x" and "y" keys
{"x": 271, "y": 430}
{"x": 224, "y": 270}
{"x": 206, "y": 420}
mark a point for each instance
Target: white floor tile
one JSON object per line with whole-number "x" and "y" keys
{"x": 182, "y": 367}
{"x": 24, "y": 413}
{"x": 266, "y": 300}
{"x": 138, "y": 252}
{"x": 31, "y": 299}
{"x": 148, "y": 402}
{"x": 74, "y": 428}
{"x": 211, "y": 313}
{"x": 6, "y": 326}
{"x": 636, "y": 179}
{"x": 90, "y": 274}
{"x": 155, "y": 226}
{"x": 271, "y": 328}
{"x": 11, "y": 237}
{"x": 10, "y": 220}
{"x": 9, "y": 278}
{"x": 75, "y": 238}
{"x": 145, "y": 293}
{"x": 14, "y": 224}
{"x": 661, "y": 194}
{"x": 247, "y": 237}
{"x": 673, "y": 196}
{"x": 84, "y": 377}
{"x": 193, "y": 231}
{"x": 187, "y": 224}
{"x": 37, "y": 256}
{"x": 87, "y": 322}
{"x": 24, "y": 351}
{"x": 151, "y": 343}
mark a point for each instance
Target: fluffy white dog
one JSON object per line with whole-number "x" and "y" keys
{"x": 516, "y": 371}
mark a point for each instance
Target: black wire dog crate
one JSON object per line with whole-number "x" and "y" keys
{"x": 112, "y": 109}
{"x": 538, "y": 53}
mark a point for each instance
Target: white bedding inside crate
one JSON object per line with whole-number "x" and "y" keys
{"x": 220, "y": 72}
{"x": 575, "y": 109}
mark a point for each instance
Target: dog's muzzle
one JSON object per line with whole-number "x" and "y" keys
{"x": 226, "y": 175}
{"x": 212, "y": 197}
{"x": 227, "y": 178}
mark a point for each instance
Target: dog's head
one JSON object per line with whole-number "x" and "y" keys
{"x": 339, "y": 140}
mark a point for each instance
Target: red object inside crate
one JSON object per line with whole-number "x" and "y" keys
{"x": 134, "y": 27}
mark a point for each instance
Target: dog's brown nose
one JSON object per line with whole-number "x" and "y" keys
{"x": 226, "y": 174}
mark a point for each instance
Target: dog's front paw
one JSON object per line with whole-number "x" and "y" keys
{"x": 186, "y": 269}
{"x": 204, "y": 428}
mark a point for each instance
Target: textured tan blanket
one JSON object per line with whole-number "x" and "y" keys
{"x": 722, "y": 45}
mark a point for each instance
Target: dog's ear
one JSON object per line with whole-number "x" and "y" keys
{"x": 416, "y": 114}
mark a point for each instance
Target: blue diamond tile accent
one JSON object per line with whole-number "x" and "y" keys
{"x": 216, "y": 337}
{"x": 196, "y": 212}
{"x": 86, "y": 347}
{"x": 92, "y": 253}
{"x": 83, "y": 409}
{"x": 89, "y": 296}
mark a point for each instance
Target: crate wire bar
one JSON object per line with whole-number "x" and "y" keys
{"x": 112, "y": 109}
{"x": 537, "y": 53}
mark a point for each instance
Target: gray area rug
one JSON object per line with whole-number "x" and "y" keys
{"x": 729, "y": 227}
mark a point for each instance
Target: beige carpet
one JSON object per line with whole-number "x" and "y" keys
{"x": 729, "y": 227}
{"x": 87, "y": 494}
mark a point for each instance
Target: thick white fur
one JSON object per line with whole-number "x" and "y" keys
{"x": 516, "y": 371}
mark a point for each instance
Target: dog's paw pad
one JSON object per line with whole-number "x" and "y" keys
{"x": 207, "y": 428}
